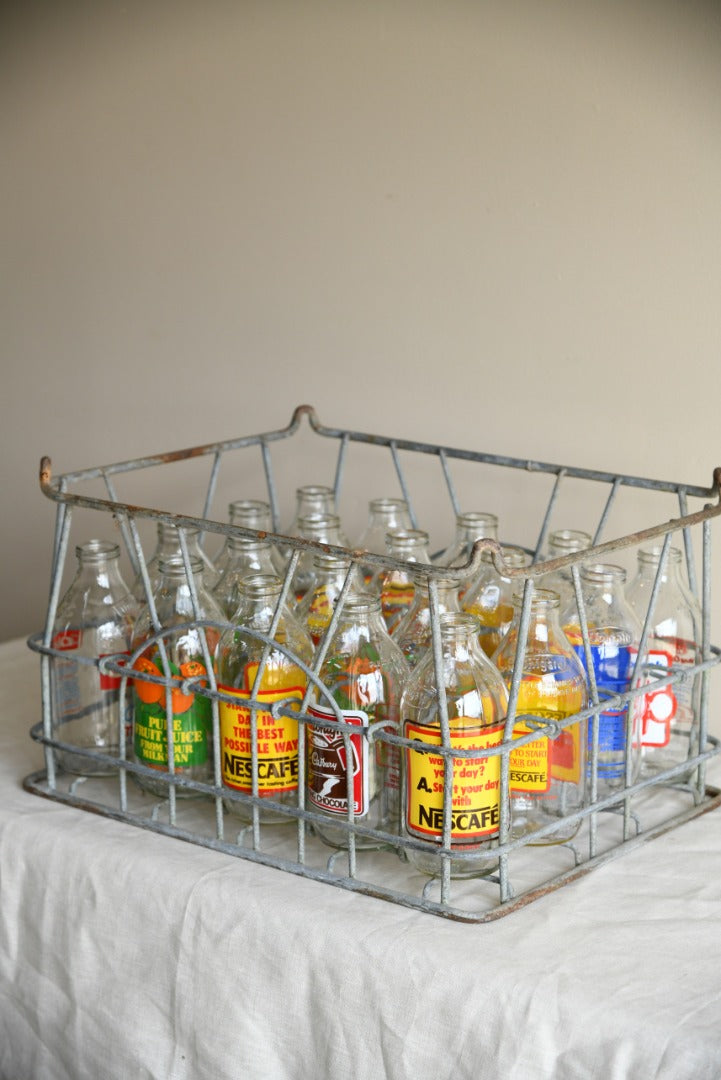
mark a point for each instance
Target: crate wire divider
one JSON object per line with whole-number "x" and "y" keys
{"x": 497, "y": 895}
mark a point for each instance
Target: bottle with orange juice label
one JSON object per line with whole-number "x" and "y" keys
{"x": 175, "y": 715}
{"x": 259, "y": 750}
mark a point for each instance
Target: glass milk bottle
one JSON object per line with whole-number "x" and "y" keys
{"x": 179, "y": 713}
{"x": 365, "y": 673}
{"x": 476, "y": 701}
{"x": 169, "y": 544}
{"x": 614, "y": 633}
{"x": 315, "y": 610}
{"x": 384, "y": 515}
{"x": 396, "y": 587}
{"x": 275, "y": 739}
{"x": 94, "y": 619}
{"x": 322, "y": 529}
{"x": 547, "y": 776}
{"x": 243, "y": 559}
{"x": 669, "y": 724}
{"x": 413, "y": 632}
{"x": 248, "y": 514}
{"x": 470, "y": 526}
{"x": 560, "y": 543}
{"x": 490, "y": 596}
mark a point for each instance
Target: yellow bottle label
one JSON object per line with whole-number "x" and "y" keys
{"x": 532, "y": 767}
{"x": 319, "y": 613}
{"x": 475, "y": 805}
{"x": 276, "y": 739}
{"x": 529, "y": 765}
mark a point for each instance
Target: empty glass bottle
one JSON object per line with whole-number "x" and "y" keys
{"x": 94, "y": 620}
{"x": 163, "y": 714}
{"x": 365, "y": 672}
{"x": 244, "y": 558}
{"x": 490, "y": 596}
{"x": 396, "y": 587}
{"x": 323, "y": 529}
{"x": 560, "y": 543}
{"x": 614, "y": 634}
{"x": 470, "y": 526}
{"x": 669, "y": 731}
{"x": 238, "y": 657}
{"x": 413, "y": 633}
{"x": 476, "y": 701}
{"x": 547, "y": 776}
{"x": 315, "y": 610}
{"x": 384, "y": 516}
{"x": 169, "y": 544}
{"x": 248, "y": 514}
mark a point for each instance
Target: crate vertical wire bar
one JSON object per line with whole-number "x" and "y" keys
{"x": 706, "y": 645}
{"x": 270, "y": 484}
{"x": 606, "y": 510}
{"x": 592, "y": 764}
{"x": 443, "y": 457}
{"x": 547, "y": 517}
{"x": 158, "y": 631}
{"x": 122, "y": 522}
{"x": 688, "y": 543}
{"x": 210, "y": 492}
{"x": 318, "y": 661}
{"x": 634, "y": 706}
{"x": 64, "y": 518}
{"x": 210, "y": 670}
{"x": 340, "y": 465}
{"x": 516, "y": 678}
{"x": 402, "y": 481}
{"x": 448, "y": 762}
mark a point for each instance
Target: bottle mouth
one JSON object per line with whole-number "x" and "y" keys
{"x": 472, "y": 518}
{"x": 540, "y": 598}
{"x": 603, "y": 573}
{"x": 569, "y": 540}
{"x": 652, "y": 556}
{"x": 97, "y": 550}
{"x": 360, "y": 604}
{"x": 450, "y": 622}
{"x": 377, "y": 506}
{"x": 250, "y": 512}
{"x": 246, "y": 543}
{"x": 173, "y": 565}
{"x": 331, "y": 562}
{"x": 316, "y": 490}
{"x": 313, "y": 525}
{"x": 406, "y": 539}
{"x": 512, "y": 556}
{"x": 168, "y": 532}
{"x": 260, "y": 586}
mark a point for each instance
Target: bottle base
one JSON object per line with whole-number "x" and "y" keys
{"x": 432, "y": 865}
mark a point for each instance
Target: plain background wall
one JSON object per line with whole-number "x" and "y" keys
{"x": 492, "y": 225}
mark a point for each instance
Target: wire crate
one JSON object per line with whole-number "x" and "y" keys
{"x": 520, "y": 872}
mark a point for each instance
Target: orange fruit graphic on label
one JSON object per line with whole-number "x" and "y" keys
{"x": 146, "y": 691}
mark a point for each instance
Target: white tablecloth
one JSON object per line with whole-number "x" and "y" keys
{"x": 128, "y": 954}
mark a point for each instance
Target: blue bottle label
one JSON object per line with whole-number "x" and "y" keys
{"x": 613, "y": 666}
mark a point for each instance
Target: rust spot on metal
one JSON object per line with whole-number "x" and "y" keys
{"x": 46, "y": 471}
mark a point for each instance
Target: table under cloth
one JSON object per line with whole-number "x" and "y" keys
{"x": 125, "y": 953}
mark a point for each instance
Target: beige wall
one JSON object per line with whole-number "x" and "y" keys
{"x": 495, "y": 225}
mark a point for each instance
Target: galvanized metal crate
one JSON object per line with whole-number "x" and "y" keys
{"x": 609, "y": 826}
